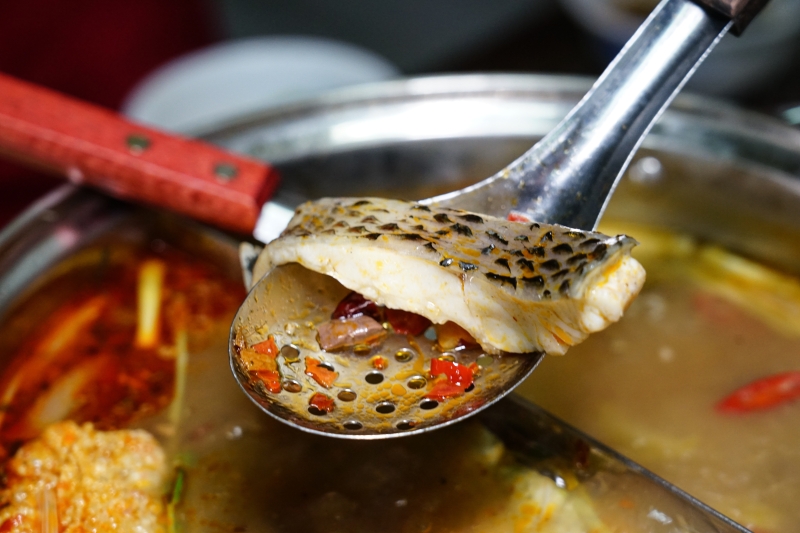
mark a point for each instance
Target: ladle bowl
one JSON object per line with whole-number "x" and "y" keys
{"x": 566, "y": 178}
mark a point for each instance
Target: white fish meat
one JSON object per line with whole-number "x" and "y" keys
{"x": 517, "y": 287}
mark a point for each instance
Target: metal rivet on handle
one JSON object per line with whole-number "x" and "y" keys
{"x": 137, "y": 143}
{"x": 225, "y": 171}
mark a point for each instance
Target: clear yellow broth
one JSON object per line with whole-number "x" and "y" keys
{"x": 707, "y": 323}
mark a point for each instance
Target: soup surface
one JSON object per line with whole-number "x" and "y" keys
{"x": 135, "y": 336}
{"x": 708, "y": 323}
{"x": 127, "y": 336}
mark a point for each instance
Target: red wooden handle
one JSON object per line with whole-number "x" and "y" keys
{"x": 95, "y": 146}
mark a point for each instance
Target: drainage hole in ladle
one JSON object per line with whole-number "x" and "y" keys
{"x": 385, "y": 408}
{"x": 352, "y": 425}
{"x": 403, "y": 355}
{"x": 373, "y": 378}
{"x": 428, "y": 404}
{"x": 405, "y": 425}
{"x": 291, "y": 385}
{"x": 347, "y": 395}
{"x": 416, "y": 382}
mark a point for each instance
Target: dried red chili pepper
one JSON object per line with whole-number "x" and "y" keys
{"x": 266, "y": 368}
{"x": 407, "y": 323}
{"x": 267, "y": 347}
{"x": 322, "y": 402}
{"x": 763, "y": 394}
{"x": 270, "y": 378}
{"x": 354, "y": 304}
{"x": 319, "y": 373}
{"x": 444, "y": 389}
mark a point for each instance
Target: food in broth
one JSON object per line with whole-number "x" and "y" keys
{"x": 230, "y": 467}
{"x": 113, "y": 354}
{"x": 75, "y": 478}
{"x": 128, "y": 339}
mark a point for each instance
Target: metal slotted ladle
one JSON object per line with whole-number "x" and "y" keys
{"x": 566, "y": 178}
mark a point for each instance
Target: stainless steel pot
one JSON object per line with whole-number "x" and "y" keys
{"x": 719, "y": 172}
{"x": 706, "y": 168}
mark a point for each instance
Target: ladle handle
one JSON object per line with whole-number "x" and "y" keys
{"x": 569, "y": 176}
{"x": 94, "y": 146}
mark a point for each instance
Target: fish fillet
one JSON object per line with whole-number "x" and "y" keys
{"x": 517, "y": 287}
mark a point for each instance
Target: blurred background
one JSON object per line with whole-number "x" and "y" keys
{"x": 187, "y": 65}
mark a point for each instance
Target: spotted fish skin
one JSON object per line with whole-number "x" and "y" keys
{"x": 517, "y": 287}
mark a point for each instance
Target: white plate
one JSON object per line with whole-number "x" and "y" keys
{"x": 231, "y": 79}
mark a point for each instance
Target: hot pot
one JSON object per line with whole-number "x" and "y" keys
{"x": 706, "y": 169}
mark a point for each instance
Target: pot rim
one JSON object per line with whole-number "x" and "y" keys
{"x": 729, "y": 126}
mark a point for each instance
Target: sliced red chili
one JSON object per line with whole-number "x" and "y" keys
{"x": 323, "y": 402}
{"x": 444, "y": 389}
{"x": 514, "y": 216}
{"x": 270, "y": 378}
{"x": 354, "y": 304}
{"x": 267, "y": 347}
{"x": 456, "y": 373}
{"x": 407, "y": 323}
{"x": 322, "y": 375}
{"x": 262, "y": 360}
{"x": 457, "y": 378}
{"x": 763, "y": 394}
